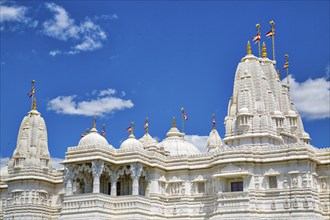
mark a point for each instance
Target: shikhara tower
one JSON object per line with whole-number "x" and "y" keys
{"x": 261, "y": 111}
{"x": 264, "y": 168}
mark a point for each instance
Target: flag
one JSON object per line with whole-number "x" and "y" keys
{"x": 103, "y": 133}
{"x": 286, "y": 65}
{"x": 31, "y": 93}
{"x": 130, "y": 129}
{"x": 270, "y": 33}
{"x": 213, "y": 123}
{"x": 83, "y": 135}
{"x": 146, "y": 125}
{"x": 257, "y": 38}
{"x": 184, "y": 114}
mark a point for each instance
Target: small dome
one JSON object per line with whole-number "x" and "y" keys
{"x": 175, "y": 144}
{"x": 305, "y": 135}
{"x": 243, "y": 111}
{"x": 147, "y": 141}
{"x": 93, "y": 138}
{"x": 214, "y": 141}
{"x": 278, "y": 113}
{"x": 131, "y": 143}
{"x": 292, "y": 113}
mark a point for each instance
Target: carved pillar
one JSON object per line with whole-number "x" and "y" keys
{"x": 68, "y": 179}
{"x": 136, "y": 170}
{"x": 97, "y": 169}
{"x": 114, "y": 178}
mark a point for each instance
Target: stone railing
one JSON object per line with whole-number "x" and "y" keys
{"x": 228, "y": 201}
{"x": 109, "y": 204}
{"x": 233, "y": 195}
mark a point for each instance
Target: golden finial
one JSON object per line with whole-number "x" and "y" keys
{"x": 34, "y": 105}
{"x": 258, "y": 26}
{"x": 286, "y": 57}
{"x": 94, "y": 122}
{"x": 264, "y": 50}
{"x": 272, "y": 23}
{"x": 173, "y": 122}
{"x": 248, "y": 48}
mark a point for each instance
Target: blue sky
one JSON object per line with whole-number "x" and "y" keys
{"x": 125, "y": 61}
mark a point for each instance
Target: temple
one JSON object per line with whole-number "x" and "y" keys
{"x": 264, "y": 167}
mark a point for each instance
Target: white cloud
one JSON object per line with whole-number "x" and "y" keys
{"x": 86, "y": 36}
{"x": 105, "y": 17}
{"x": 54, "y": 52}
{"x": 98, "y": 107}
{"x": 12, "y": 16}
{"x": 311, "y": 97}
{"x": 107, "y": 92}
{"x": 199, "y": 141}
{"x": 56, "y": 163}
{"x": 3, "y": 161}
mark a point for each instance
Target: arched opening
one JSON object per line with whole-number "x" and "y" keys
{"x": 105, "y": 184}
{"x": 124, "y": 185}
{"x": 142, "y": 186}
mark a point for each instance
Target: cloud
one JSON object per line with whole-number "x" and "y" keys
{"x": 107, "y": 92}
{"x": 97, "y": 107}
{"x": 199, "y": 141}
{"x": 87, "y": 36}
{"x": 3, "y": 161}
{"x": 56, "y": 163}
{"x": 311, "y": 97}
{"x": 12, "y": 17}
{"x": 105, "y": 17}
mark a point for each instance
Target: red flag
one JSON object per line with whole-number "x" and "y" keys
{"x": 146, "y": 125}
{"x": 31, "y": 93}
{"x": 270, "y": 33}
{"x": 83, "y": 135}
{"x": 185, "y": 116}
{"x": 286, "y": 65}
{"x": 257, "y": 38}
{"x": 130, "y": 129}
{"x": 103, "y": 133}
{"x": 213, "y": 123}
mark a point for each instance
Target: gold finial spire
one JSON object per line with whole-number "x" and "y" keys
{"x": 173, "y": 122}
{"x": 34, "y": 105}
{"x": 264, "y": 50}
{"x": 248, "y": 48}
{"x": 31, "y": 94}
{"x": 286, "y": 67}
{"x": 94, "y": 122}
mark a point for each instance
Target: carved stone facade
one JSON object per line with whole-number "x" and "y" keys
{"x": 264, "y": 168}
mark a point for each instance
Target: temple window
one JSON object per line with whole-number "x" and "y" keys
{"x": 272, "y": 180}
{"x": 236, "y": 186}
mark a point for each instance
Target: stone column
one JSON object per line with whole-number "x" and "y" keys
{"x": 97, "y": 169}
{"x": 114, "y": 178}
{"x": 136, "y": 170}
{"x": 68, "y": 179}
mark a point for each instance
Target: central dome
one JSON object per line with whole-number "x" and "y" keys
{"x": 93, "y": 138}
{"x": 175, "y": 143}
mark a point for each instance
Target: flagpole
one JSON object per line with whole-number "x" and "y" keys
{"x": 272, "y": 23}
{"x": 287, "y": 69}
{"x": 32, "y": 97}
{"x": 182, "y": 120}
{"x": 258, "y": 32}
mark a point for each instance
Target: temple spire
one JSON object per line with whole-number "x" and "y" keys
{"x": 34, "y": 104}
{"x": 173, "y": 122}
{"x": 264, "y": 50}
{"x": 286, "y": 67}
{"x": 132, "y": 128}
{"x": 31, "y": 94}
{"x": 272, "y": 24}
{"x": 248, "y": 48}
{"x": 94, "y": 122}
{"x": 146, "y": 125}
